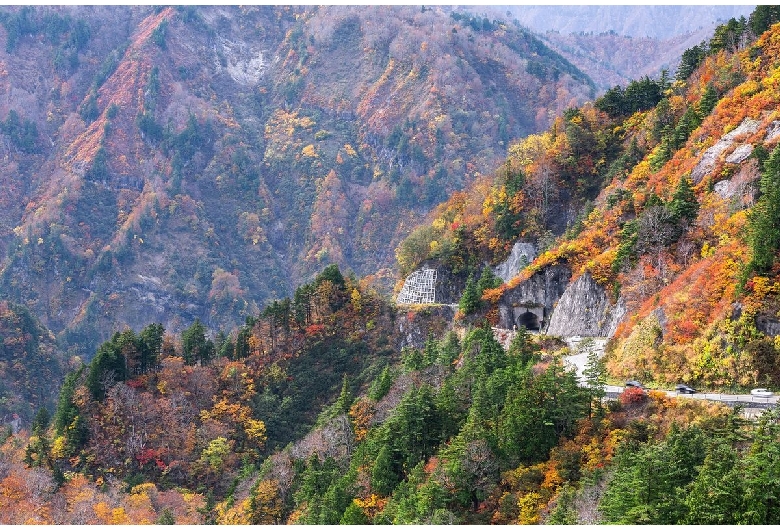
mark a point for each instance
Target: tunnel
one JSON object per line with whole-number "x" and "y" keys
{"x": 529, "y": 321}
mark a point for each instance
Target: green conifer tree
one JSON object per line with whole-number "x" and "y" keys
{"x": 470, "y": 299}
{"x": 764, "y": 220}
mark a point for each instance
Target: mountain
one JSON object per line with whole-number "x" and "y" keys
{"x": 651, "y": 213}
{"x": 655, "y": 21}
{"x": 616, "y": 44}
{"x": 646, "y": 221}
{"x": 30, "y": 361}
{"x": 615, "y": 60}
{"x": 167, "y": 164}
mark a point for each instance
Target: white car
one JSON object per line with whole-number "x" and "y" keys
{"x": 761, "y": 392}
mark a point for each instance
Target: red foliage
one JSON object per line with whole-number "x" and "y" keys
{"x": 147, "y": 455}
{"x": 136, "y": 383}
{"x": 632, "y": 395}
{"x": 314, "y": 329}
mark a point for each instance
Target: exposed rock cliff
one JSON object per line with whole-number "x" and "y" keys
{"x": 522, "y": 254}
{"x": 531, "y": 302}
{"x": 585, "y": 309}
{"x": 414, "y": 327}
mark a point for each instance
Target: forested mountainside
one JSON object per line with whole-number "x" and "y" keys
{"x": 653, "y": 214}
{"x": 167, "y": 164}
{"x": 615, "y": 60}
{"x": 31, "y": 365}
{"x": 659, "y": 195}
{"x": 617, "y": 44}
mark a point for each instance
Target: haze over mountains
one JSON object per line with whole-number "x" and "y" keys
{"x": 656, "y": 21}
{"x": 615, "y": 44}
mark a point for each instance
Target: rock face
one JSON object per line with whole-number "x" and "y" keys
{"x": 414, "y": 327}
{"x": 522, "y": 254}
{"x": 584, "y": 309}
{"x": 449, "y": 286}
{"x": 709, "y": 158}
{"x": 768, "y": 325}
{"x": 530, "y": 304}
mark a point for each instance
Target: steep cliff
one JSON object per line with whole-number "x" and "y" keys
{"x": 530, "y": 303}
{"x": 585, "y": 309}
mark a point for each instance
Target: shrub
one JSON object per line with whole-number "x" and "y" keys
{"x": 632, "y": 396}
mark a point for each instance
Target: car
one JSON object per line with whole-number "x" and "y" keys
{"x": 634, "y": 384}
{"x": 685, "y": 389}
{"x": 761, "y": 392}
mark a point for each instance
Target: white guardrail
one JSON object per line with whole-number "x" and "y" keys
{"x": 747, "y": 399}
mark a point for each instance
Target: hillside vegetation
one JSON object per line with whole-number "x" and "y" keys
{"x": 663, "y": 193}
{"x": 333, "y": 406}
{"x": 170, "y": 164}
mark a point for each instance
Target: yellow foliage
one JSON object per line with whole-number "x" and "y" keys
{"x": 531, "y": 148}
{"x": 255, "y": 430}
{"x": 372, "y": 505}
{"x": 239, "y": 513}
{"x": 309, "y": 151}
{"x": 267, "y": 505}
{"x": 529, "y": 508}
{"x": 357, "y": 300}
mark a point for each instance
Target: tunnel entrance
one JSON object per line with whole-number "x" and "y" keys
{"x": 529, "y": 321}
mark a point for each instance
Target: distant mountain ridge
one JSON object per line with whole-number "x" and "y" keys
{"x": 655, "y": 21}
{"x": 615, "y": 44}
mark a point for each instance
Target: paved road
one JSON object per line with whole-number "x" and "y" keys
{"x": 746, "y": 400}
{"x": 578, "y": 361}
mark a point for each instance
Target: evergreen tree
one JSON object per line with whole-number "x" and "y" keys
{"x": 708, "y": 100}
{"x": 108, "y": 367}
{"x": 761, "y": 472}
{"x": 684, "y": 206}
{"x": 717, "y": 494}
{"x": 564, "y": 511}
{"x": 195, "y": 346}
{"x": 430, "y": 351}
{"x": 762, "y": 17}
{"x": 763, "y": 232}
{"x": 345, "y": 399}
{"x": 354, "y": 515}
{"x": 150, "y": 345}
{"x": 595, "y": 373}
{"x": 522, "y": 347}
{"x": 383, "y": 476}
{"x": 470, "y": 299}
{"x": 688, "y": 123}
{"x": 381, "y": 385}
{"x": 449, "y": 349}
{"x": 647, "y": 482}
{"x": 690, "y": 60}
{"x": 488, "y": 280}
{"x": 41, "y": 421}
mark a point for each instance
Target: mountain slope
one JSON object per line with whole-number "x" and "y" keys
{"x": 670, "y": 238}
{"x": 199, "y": 162}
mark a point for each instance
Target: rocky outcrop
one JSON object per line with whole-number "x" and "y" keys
{"x": 585, "y": 309}
{"x": 531, "y": 302}
{"x": 414, "y": 327}
{"x": 449, "y": 285}
{"x": 768, "y": 325}
{"x": 709, "y": 158}
{"x": 522, "y": 254}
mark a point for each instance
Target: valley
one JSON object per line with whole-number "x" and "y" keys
{"x": 404, "y": 265}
